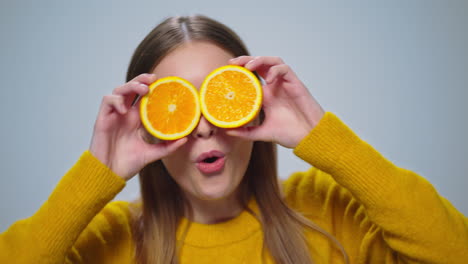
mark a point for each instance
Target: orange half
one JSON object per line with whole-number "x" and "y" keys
{"x": 171, "y": 108}
{"x": 230, "y": 96}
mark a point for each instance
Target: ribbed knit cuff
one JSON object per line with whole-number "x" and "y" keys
{"x": 334, "y": 148}
{"x": 84, "y": 190}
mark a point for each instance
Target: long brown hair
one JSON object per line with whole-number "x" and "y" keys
{"x": 162, "y": 206}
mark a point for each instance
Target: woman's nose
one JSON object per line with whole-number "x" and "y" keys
{"x": 204, "y": 129}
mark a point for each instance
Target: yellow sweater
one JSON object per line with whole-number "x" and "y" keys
{"x": 379, "y": 212}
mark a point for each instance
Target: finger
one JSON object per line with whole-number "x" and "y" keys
{"x": 111, "y": 103}
{"x": 145, "y": 78}
{"x": 276, "y": 72}
{"x": 131, "y": 88}
{"x": 165, "y": 148}
{"x": 173, "y": 145}
{"x": 133, "y": 116}
{"x": 241, "y": 60}
{"x": 138, "y": 85}
{"x": 250, "y": 133}
{"x": 263, "y": 61}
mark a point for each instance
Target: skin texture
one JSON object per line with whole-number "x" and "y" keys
{"x": 291, "y": 112}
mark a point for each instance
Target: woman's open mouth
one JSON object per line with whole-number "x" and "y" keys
{"x": 210, "y": 162}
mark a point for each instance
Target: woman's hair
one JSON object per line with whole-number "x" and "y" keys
{"x": 162, "y": 207}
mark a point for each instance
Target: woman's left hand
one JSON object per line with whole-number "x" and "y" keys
{"x": 290, "y": 110}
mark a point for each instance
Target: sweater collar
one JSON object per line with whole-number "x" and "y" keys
{"x": 231, "y": 231}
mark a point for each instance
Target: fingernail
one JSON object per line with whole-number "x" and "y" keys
{"x": 249, "y": 63}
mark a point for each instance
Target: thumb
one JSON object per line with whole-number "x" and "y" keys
{"x": 253, "y": 133}
{"x": 163, "y": 149}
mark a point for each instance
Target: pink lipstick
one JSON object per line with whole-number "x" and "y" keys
{"x": 210, "y": 162}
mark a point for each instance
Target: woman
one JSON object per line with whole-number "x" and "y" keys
{"x": 353, "y": 203}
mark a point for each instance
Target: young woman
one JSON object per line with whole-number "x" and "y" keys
{"x": 353, "y": 206}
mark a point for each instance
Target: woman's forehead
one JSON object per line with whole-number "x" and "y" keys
{"x": 192, "y": 61}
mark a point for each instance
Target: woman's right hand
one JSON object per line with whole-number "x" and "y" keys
{"x": 118, "y": 137}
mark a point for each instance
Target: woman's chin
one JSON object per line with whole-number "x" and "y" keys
{"x": 216, "y": 187}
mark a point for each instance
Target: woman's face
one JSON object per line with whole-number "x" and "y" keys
{"x": 211, "y": 165}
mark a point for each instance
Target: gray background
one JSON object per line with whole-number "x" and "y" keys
{"x": 394, "y": 71}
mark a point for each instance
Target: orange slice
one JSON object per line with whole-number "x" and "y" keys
{"x": 171, "y": 108}
{"x": 230, "y": 96}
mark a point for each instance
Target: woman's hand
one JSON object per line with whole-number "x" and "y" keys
{"x": 290, "y": 110}
{"x": 118, "y": 138}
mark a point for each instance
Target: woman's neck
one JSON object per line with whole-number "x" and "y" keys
{"x": 214, "y": 211}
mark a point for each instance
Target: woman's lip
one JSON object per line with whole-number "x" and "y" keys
{"x": 210, "y": 168}
{"x": 209, "y": 154}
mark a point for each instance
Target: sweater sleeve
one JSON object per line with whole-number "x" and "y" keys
{"x": 49, "y": 235}
{"x": 374, "y": 205}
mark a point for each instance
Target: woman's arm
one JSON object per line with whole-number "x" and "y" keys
{"x": 376, "y": 209}
{"x": 417, "y": 223}
{"x": 48, "y": 235}
{"x": 117, "y": 153}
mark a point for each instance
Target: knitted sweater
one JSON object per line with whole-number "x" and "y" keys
{"x": 379, "y": 212}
